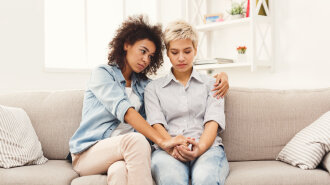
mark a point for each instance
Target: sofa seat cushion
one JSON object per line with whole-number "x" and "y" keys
{"x": 92, "y": 180}
{"x": 274, "y": 173}
{"x": 53, "y": 172}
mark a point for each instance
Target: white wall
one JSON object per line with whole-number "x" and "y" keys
{"x": 301, "y": 49}
{"x": 302, "y": 39}
{"x": 22, "y": 50}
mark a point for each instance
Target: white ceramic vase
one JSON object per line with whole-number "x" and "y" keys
{"x": 241, "y": 58}
{"x": 238, "y": 16}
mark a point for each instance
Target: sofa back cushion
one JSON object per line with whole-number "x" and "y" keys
{"x": 260, "y": 122}
{"x": 54, "y": 115}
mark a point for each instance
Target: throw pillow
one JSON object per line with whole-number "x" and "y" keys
{"x": 326, "y": 162}
{"x": 19, "y": 144}
{"x": 307, "y": 148}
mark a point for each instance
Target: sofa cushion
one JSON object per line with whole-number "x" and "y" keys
{"x": 53, "y": 172}
{"x": 326, "y": 162}
{"x": 90, "y": 180}
{"x": 55, "y": 116}
{"x": 259, "y": 123}
{"x": 307, "y": 148}
{"x": 19, "y": 142}
{"x": 273, "y": 172}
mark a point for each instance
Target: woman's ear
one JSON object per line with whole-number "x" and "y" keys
{"x": 126, "y": 46}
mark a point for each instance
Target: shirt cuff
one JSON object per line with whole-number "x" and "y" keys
{"x": 123, "y": 106}
{"x": 221, "y": 122}
{"x": 158, "y": 122}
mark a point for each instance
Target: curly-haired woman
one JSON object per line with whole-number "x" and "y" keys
{"x": 110, "y": 138}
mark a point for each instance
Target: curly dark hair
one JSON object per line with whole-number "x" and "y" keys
{"x": 134, "y": 29}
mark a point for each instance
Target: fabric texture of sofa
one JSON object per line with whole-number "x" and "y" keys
{"x": 259, "y": 123}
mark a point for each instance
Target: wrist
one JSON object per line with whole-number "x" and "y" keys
{"x": 161, "y": 142}
{"x": 202, "y": 148}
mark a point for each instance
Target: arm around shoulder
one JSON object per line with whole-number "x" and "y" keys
{"x": 215, "y": 109}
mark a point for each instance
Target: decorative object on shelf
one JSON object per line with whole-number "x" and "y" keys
{"x": 261, "y": 28}
{"x": 241, "y": 56}
{"x": 237, "y": 10}
{"x": 209, "y": 18}
{"x": 248, "y": 9}
{"x": 262, "y": 10}
{"x": 224, "y": 60}
{"x": 205, "y": 61}
{"x": 213, "y": 61}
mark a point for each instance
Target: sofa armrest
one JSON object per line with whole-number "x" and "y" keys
{"x": 326, "y": 162}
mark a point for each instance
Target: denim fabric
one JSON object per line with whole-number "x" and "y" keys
{"x": 104, "y": 106}
{"x": 209, "y": 169}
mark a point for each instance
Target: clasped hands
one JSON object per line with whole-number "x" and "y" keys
{"x": 182, "y": 152}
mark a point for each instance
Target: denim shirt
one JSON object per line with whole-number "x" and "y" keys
{"x": 104, "y": 107}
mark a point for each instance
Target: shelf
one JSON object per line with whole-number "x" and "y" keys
{"x": 224, "y": 24}
{"x": 219, "y": 66}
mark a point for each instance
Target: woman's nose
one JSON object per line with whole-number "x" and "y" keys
{"x": 181, "y": 57}
{"x": 145, "y": 59}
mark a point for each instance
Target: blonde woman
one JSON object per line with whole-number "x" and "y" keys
{"x": 182, "y": 103}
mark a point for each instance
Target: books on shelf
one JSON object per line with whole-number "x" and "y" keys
{"x": 213, "y": 61}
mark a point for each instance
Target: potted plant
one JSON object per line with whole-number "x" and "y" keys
{"x": 241, "y": 57}
{"x": 237, "y": 10}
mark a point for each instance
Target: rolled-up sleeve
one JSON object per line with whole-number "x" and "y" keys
{"x": 152, "y": 106}
{"x": 105, "y": 88}
{"x": 214, "y": 109}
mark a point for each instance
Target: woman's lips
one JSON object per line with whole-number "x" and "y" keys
{"x": 141, "y": 66}
{"x": 181, "y": 65}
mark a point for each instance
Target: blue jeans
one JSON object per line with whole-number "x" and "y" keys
{"x": 208, "y": 169}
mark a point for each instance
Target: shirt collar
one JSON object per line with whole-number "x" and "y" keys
{"x": 170, "y": 77}
{"x": 121, "y": 78}
{"x": 118, "y": 73}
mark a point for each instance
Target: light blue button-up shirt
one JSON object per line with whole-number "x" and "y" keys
{"x": 104, "y": 107}
{"x": 184, "y": 109}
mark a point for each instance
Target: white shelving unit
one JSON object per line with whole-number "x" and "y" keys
{"x": 222, "y": 25}
{"x": 261, "y": 51}
{"x": 219, "y": 66}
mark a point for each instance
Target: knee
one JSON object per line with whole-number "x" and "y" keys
{"x": 117, "y": 168}
{"x": 139, "y": 142}
{"x": 204, "y": 175}
{"x": 117, "y": 173}
{"x": 169, "y": 176}
{"x": 167, "y": 170}
{"x": 204, "y": 179}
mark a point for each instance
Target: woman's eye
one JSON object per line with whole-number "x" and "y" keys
{"x": 187, "y": 52}
{"x": 143, "y": 51}
{"x": 174, "y": 53}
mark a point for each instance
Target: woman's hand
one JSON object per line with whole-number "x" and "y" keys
{"x": 221, "y": 85}
{"x": 189, "y": 155}
{"x": 168, "y": 144}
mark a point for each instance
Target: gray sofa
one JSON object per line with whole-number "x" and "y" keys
{"x": 259, "y": 124}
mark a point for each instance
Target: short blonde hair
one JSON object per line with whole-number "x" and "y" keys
{"x": 180, "y": 30}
